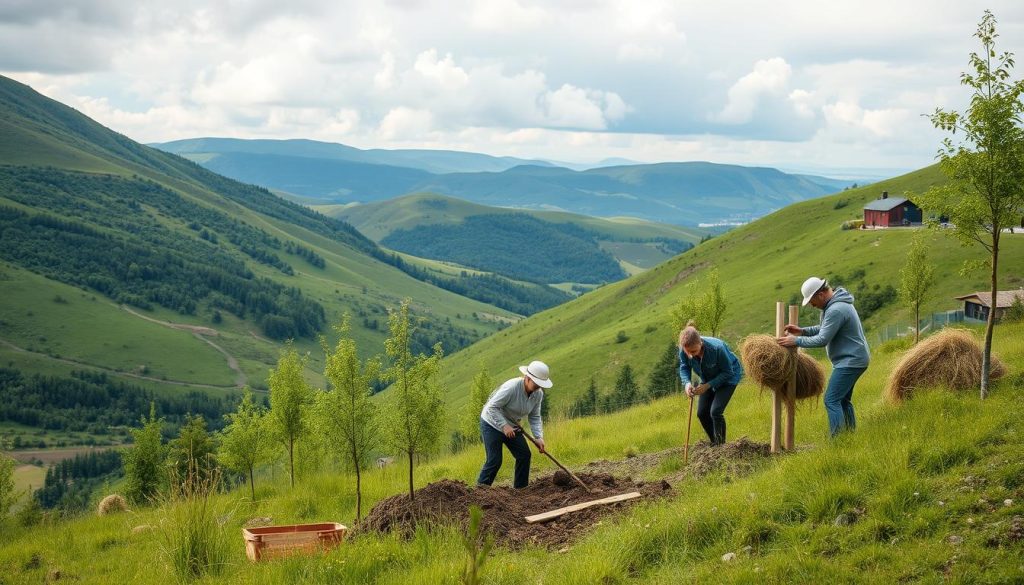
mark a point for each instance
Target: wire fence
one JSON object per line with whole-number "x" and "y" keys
{"x": 932, "y": 323}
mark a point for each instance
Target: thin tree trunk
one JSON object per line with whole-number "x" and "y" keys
{"x": 412, "y": 494}
{"x": 986, "y": 361}
{"x": 291, "y": 460}
{"x": 917, "y": 323}
{"x": 359, "y": 493}
{"x": 252, "y": 484}
{"x": 359, "y": 496}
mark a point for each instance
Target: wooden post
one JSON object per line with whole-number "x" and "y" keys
{"x": 794, "y": 318}
{"x": 776, "y": 446}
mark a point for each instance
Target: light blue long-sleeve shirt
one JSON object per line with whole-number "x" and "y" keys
{"x": 510, "y": 403}
{"x": 840, "y": 333}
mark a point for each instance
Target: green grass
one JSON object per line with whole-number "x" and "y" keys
{"x": 60, "y": 321}
{"x": 759, "y": 264}
{"x": 907, "y": 480}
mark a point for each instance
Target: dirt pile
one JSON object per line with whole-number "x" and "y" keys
{"x": 505, "y": 509}
{"x": 736, "y": 458}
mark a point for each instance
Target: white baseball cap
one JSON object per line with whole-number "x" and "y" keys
{"x": 538, "y": 372}
{"x": 811, "y": 286}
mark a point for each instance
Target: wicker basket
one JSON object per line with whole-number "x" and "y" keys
{"x": 270, "y": 542}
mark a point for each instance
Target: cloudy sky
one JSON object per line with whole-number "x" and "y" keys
{"x": 804, "y": 85}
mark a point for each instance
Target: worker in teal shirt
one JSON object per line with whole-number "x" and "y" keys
{"x": 719, "y": 371}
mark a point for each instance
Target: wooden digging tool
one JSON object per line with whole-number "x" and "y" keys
{"x": 552, "y": 458}
{"x": 689, "y": 422}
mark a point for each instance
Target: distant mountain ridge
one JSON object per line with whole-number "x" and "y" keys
{"x": 682, "y": 193}
{"x": 431, "y": 161}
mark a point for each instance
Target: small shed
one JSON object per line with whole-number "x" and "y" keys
{"x": 977, "y": 305}
{"x": 891, "y": 211}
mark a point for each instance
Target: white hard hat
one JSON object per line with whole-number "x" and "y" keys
{"x": 538, "y": 372}
{"x": 811, "y": 286}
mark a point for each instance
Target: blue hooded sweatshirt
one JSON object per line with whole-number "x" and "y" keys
{"x": 718, "y": 366}
{"x": 840, "y": 333}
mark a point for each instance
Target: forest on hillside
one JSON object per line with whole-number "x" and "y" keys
{"x": 515, "y": 245}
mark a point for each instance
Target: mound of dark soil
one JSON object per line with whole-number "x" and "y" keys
{"x": 505, "y": 509}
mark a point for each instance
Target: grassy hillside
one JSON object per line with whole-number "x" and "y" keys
{"x": 75, "y": 186}
{"x": 633, "y": 242}
{"x": 902, "y": 499}
{"x": 759, "y": 264}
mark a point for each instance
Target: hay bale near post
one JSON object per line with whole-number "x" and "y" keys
{"x": 772, "y": 366}
{"x": 950, "y": 358}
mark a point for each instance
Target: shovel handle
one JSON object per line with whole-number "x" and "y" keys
{"x": 552, "y": 458}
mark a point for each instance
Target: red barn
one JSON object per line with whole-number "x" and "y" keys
{"x": 891, "y": 211}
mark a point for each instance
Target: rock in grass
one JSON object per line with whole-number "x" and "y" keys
{"x": 728, "y": 557}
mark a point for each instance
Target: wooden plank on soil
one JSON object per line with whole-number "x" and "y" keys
{"x": 560, "y": 511}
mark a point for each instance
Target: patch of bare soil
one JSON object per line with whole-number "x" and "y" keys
{"x": 736, "y": 458}
{"x": 505, "y": 509}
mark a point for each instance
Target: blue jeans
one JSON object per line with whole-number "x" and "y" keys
{"x": 493, "y": 439}
{"x": 837, "y": 399}
{"x": 711, "y": 412}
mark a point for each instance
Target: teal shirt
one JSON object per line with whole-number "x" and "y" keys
{"x": 718, "y": 367}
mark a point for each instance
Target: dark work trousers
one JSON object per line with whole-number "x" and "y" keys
{"x": 711, "y": 412}
{"x": 493, "y": 439}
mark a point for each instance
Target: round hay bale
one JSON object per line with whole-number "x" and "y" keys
{"x": 561, "y": 478}
{"x": 112, "y": 504}
{"x": 950, "y": 358}
{"x": 769, "y": 364}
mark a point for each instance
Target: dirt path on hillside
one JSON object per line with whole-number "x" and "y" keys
{"x": 49, "y": 456}
{"x": 113, "y": 371}
{"x": 202, "y": 334}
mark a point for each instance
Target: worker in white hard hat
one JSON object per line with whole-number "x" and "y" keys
{"x": 842, "y": 336}
{"x": 499, "y": 422}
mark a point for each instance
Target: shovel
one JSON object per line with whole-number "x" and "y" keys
{"x": 552, "y": 458}
{"x": 689, "y": 422}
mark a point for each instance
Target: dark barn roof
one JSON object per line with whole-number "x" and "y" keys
{"x": 887, "y": 204}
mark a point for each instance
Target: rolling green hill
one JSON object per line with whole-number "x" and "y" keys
{"x": 123, "y": 259}
{"x": 637, "y": 244}
{"x": 759, "y": 264}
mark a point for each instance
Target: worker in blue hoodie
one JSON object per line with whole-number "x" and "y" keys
{"x": 842, "y": 336}
{"x": 719, "y": 370}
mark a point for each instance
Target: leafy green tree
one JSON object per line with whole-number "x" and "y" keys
{"x": 985, "y": 166}
{"x": 626, "y": 392}
{"x": 479, "y": 392}
{"x": 245, "y": 443}
{"x": 916, "y": 278}
{"x": 663, "y": 378}
{"x": 415, "y": 409}
{"x": 704, "y": 303}
{"x": 1015, "y": 314}
{"x": 144, "y": 464}
{"x": 290, "y": 396}
{"x": 346, "y": 416}
{"x": 587, "y": 404}
{"x": 191, "y": 454}
{"x": 7, "y": 493}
